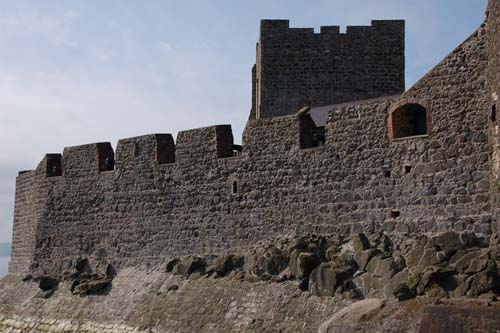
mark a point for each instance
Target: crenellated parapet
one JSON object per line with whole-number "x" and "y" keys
{"x": 144, "y": 154}
{"x": 88, "y": 159}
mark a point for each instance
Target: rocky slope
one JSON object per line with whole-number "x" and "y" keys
{"x": 372, "y": 283}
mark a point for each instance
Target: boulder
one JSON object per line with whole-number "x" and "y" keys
{"x": 330, "y": 276}
{"x": 403, "y": 292}
{"x": 45, "y": 294}
{"x": 362, "y": 258}
{"x": 463, "y": 286}
{"x": 300, "y": 243}
{"x": 189, "y": 265}
{"x": 386, "y": 266}
{"x": 27, "y": 278}
{"x": 360, "y": 242}
{"x": 169, "y": 266}
{"x": 303, "y": 263}
{"x": 463, "y": 262}
{"x": 332, "y": 252}
{"x": 323, "y": 280}
{"x": 435, "y": 290}
{"x": 449, "y": 242}
{"x": 395, "y": 282}
{"x": 469, "y": 239}
{"x": 433, "y": 277}
{"x": 46, "y": 283}
{"x": 222, "y": 266}
{"x": 82, "y": 265}
{"x": 480, "y": 263}
{"x": 92, "y": 287}
{"x": 481, "y": 283}
{"x": 271, "y": 262}
{"x": 429, "y": 258}
{"x": 110, "y": 271}
{"x": 414, "y": 256}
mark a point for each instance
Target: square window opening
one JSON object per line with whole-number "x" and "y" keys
{"x": 395, "y": 214}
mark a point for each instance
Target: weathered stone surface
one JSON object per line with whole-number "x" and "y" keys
{"x": 429, "y": 258}
{"x": 303, "y": 263}
{"x": 170, "y": 264}
{"x": 46, "y": 283}
{"x": 403, "y": 292}
{"x": 224, "y": 265}
{"x": 360, "y": 243}
{"x": 189, "y": 265}
{"x": 142, "y": 301}
{"x": 90, "y": 287}
{"x": 156, "y": 198}
{"x": 358, "y": 312}
{"x": 197, "y": 196}
{"x": 281, "y": 83}
{"x": 480, "y": 263}
{"x": 463, "y": 263}
{"x": 362, "y": 258}
{"x": 328, "y": 278}
{"x": 323, "y": 281}
{"x": 269, "y": 262}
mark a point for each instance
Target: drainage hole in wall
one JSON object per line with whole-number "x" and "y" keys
{"x": 395, "y": 214}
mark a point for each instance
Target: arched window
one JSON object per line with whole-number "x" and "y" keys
{"x": 409, "y": 120}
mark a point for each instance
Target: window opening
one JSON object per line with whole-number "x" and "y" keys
{"x": 409, "y": 120}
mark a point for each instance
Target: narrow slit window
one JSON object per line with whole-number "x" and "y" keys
{"x": 387, "y": 173}
{"x": 494, "y": 113}
{"x": 395, "y": 214}
{"x": 235, "y": 187}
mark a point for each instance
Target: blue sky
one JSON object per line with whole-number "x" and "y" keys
{"x": 74, "y": 72}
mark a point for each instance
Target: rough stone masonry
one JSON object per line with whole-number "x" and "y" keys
{"x": 334, "y": 145}
{"x": 352, "y": 204}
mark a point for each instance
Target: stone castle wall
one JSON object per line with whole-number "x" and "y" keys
{"x": 25, "y": 228}
{"x": 156, "y": 198}
{"x": 297, "y": 67}
{"x": 493, "y": 31}
{"x": 197, "y": 196}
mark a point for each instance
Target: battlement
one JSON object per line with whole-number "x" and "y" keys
{"x": 274, "y": 28}
{"x": 87, "y": 159}
{"x": 145, "y": 153}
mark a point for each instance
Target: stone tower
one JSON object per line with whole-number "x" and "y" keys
{"x": 297, "y": 67}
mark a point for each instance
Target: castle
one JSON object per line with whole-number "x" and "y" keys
{"x": 333, "y": 144}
